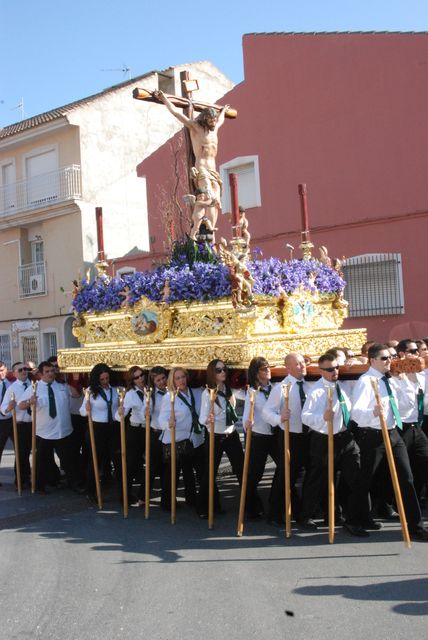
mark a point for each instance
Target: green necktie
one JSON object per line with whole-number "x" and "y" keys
{"x": 52, "y": 403}
{"x": 420, "y": 398}
{"x": 302, "y": 394}
{"x": 344, "y": 408}
{"x": 392, "y": 402}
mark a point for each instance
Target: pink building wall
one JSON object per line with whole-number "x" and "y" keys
{"x": 347, "y": 115}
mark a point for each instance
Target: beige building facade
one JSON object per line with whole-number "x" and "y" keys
{"x": 55, "y": 168}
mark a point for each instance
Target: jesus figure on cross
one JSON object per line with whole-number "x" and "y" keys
{"x": 208, "y": 186}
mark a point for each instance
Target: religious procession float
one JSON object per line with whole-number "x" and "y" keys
{"x": 210, "y": 300}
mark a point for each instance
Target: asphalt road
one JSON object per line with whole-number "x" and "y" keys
{"x": 69, "y": 572}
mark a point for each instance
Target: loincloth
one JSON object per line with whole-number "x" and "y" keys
{"x": 204, "y": 180}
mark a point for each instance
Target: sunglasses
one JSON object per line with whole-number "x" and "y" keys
{"x": 220, "y": 369}
{"x": 141, "y": 375}
{"x": 329, "y": 369}
{"x": 385, "y": 358}
{"x": 413, "y": 351}
{"x": 21, "y": 369}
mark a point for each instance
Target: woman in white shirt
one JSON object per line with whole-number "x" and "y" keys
{"x": 134, "y": 405}
{"x": 223, "y": 417}
{"x": 263, "y": 441}
{"x": 103, "y": 404}
{"x": 188, "y": 434}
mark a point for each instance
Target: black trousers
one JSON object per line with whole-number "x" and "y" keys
{"x": 231, "y": 446}
{"x": 299, "y": 444}
{"x": 346, "y": 460}
{"x": 135, "y": 457}
{"x": 63, "y": 447}
{"x": 417, "y": 447}
{"x": 5, "y": 433}
{"x": 80, "y": 445}
{"x": 186, "y": 465}
{"x": 262, "y": 446}
{"x": 24, "y": 443}
{"x": 107, "y": 445}
{"x": 372, "y": 452}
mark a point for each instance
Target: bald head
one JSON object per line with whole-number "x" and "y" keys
{"x": 295, "y": 365}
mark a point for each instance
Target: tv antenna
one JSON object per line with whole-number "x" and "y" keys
{"x": 124, "y": 69}
{"x": 20, "y": 106}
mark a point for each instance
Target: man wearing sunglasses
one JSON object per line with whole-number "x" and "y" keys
{"x": 5, "y": 420}
{"x": 23, "y": 418}
{"x": 412, "y": 404}
{"x": 316, "y": 414}
{"x": 366, "y": 413}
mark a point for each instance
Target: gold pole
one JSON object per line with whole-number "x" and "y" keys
{"x": 16, "y": 446}
{"x": 287, "y": 478}
{"x": 330, "y": 436}
{"x": 94, "y": 450}
{"x": 172, "y": 395}
{"x": 240, "y": 529}
{"x": 33, "y": 438}
{"x": 213, "y": 396}
{"x": 121, "y": 394}
{"x": 147, "y": 395}
{"x": 391, "y": 464}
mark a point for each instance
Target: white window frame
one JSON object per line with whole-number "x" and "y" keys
{"x": 5, "y": 360}
{"x": 125, "y": 271}
{"x": 366, "y": 308}
{"x": 44, "y": 333}
{"x": 38, "y": 151}
{"x": 4, "y": 163}
{"x": 29, "y": 334}
{"x": 227, "y": 168}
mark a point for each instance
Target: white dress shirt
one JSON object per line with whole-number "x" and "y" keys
{"x": 363, "y": 401}
{"x": 275, "y": 403}
{"x": 99, "y": 407}
{"x": 260, "y": 425}
{"x": 18, "y": 388}
{"x": 4, "y": 385}
{"x": 316, "y": 404}
{"x": 155, "y": 409}
{"x": 406, "y": 391}
{"x": 219, "y": 413}
{"x": 47, "y": 427}
{"x": 183, "y": 418}
{"x": 134, "y": 404}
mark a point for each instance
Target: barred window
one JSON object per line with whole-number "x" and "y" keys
{"x": 374, "y": 284}
{"x": 49, "y": 344}
{"x": 30, "y": 349}
{"x": 5, "y": 351}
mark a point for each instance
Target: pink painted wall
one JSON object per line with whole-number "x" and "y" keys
{"x": 347, "y": 115}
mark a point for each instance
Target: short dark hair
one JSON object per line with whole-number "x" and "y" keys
{"x": 15, "y": 364}
{"x": 45, "y": 364}
{"x": 375, "y": 349}
{"x": 326, "y": 357}
{"x": 403, "y": 345}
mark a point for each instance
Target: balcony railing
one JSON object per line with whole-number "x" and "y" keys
{"x": 32, "y": 279}
{"x": 41, "y": 191}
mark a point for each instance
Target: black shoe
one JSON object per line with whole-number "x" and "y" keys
{"x": 254, "y": 515}
{"x": 42, "y": 492}
{"x": 308, "y": 524}
{"x": 356, "y": 530}
{"x": 371, "y": 525}
{"x": 419, "y": 534}
{"x": 203, "y": 516}
{"x": 388, "y": 513}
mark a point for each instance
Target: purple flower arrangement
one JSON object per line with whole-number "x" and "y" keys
{"x": 180, "y": 282}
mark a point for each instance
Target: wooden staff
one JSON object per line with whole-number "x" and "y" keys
{"x": 94, "y": 450}
{"x": 172, "y": 395}
{"x": 391, "y": 464}
{"x": 240, "y": 529}
{"x": 33, "y": 438}
{"x": 147, "y": 396}
{"x": 330, "y": 468}
{"x": 121, "y": 395}
{"x": 16, "y": 446}
{"x": 287, "y": 478}
{"x": 213, "y": 397}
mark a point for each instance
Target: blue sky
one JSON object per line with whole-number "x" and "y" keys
{"x": 52, "y": 53}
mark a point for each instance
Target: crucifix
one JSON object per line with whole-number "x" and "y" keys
{"x": 306, "y": 244}
{"x": 203, "y": 132}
